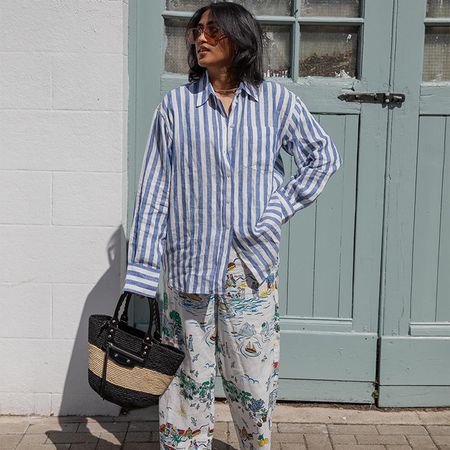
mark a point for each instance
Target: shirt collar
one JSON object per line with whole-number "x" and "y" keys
{"x": 205, "y": 89}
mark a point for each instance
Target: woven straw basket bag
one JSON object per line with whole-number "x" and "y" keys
{"x": 128, "y": 366}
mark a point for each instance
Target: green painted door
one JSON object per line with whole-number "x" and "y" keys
{"x": 415, "y": 300}
{"x": 331, "y": 251}
{"x": 347, "y": 260}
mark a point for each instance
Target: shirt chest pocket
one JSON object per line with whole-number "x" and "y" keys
{"x": 260, "y": 148}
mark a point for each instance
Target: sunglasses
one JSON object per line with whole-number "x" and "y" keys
{"x": 212, "y": 34}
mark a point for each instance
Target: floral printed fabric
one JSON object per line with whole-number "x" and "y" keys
{"x": 235, "y": 336}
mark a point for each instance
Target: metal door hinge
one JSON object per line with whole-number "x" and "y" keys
{"x": 385, "y": 98}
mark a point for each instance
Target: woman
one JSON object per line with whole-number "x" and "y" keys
{"x": 210, "y": 206}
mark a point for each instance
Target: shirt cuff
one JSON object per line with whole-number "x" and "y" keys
{"x": 287, "y": 209}
{"x": 142, "y": 279}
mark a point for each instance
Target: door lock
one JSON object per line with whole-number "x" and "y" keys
{"x": 385, "y": 98}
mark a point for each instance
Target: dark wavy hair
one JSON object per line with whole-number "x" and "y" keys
{"x": 246, "y": 37}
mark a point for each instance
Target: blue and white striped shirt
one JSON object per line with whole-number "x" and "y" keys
{"x": 210, "y": 180}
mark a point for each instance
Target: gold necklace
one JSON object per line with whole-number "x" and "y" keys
{"x": 225, "y": 91}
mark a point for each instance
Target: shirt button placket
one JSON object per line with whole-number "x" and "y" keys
{"x": 230, "y": 126}
{"x": 228, "y": 166}
{"x": 228, "y": 213}
{"x": 228, "y": 209}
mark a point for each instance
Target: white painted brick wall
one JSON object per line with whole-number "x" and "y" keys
{"x": 63, "y": 195}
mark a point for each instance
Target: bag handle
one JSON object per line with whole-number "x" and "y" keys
{"x": 157, "y": 332}
{"x": 125, "y": 296}
{"x": 124, "y": 316}
{"x": 154, "y": 314}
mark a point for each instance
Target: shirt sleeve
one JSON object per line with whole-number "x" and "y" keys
{"x": 149, "y": 226}
{"x": 315, "y": 156}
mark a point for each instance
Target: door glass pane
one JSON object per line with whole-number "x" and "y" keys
{"x": 328, "y": 51}
{"x": 176, "y": 51}
{"x": 436, "y": 58}
{"x": 182, "y": 5}
{"x": 438, "y": 8}
{"x": 267, "y": 7}
{"x": 259, "y": 8}
{"x": 333, "y": 8}
{"x": 277, "y": 50}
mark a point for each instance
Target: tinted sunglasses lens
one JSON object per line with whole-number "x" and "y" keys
{"x": 211, "y": 34}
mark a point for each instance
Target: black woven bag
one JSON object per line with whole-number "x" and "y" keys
{"x": 128, "y": 366}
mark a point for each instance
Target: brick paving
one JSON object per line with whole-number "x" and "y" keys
{"x": 296, "y": 427}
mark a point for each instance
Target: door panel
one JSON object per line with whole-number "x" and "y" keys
{"x": 330, "y": 314}
{"x": 415, "y": 327}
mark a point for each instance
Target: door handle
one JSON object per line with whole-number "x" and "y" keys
{"x": 386, "y": 98}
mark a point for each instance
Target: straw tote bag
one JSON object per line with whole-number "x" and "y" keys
{"x": 127, "y": 366}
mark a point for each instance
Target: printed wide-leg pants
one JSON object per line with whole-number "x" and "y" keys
{"x": 236, "y": 336}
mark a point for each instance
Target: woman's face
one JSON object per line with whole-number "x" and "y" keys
{"x": 215, "y": 55}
